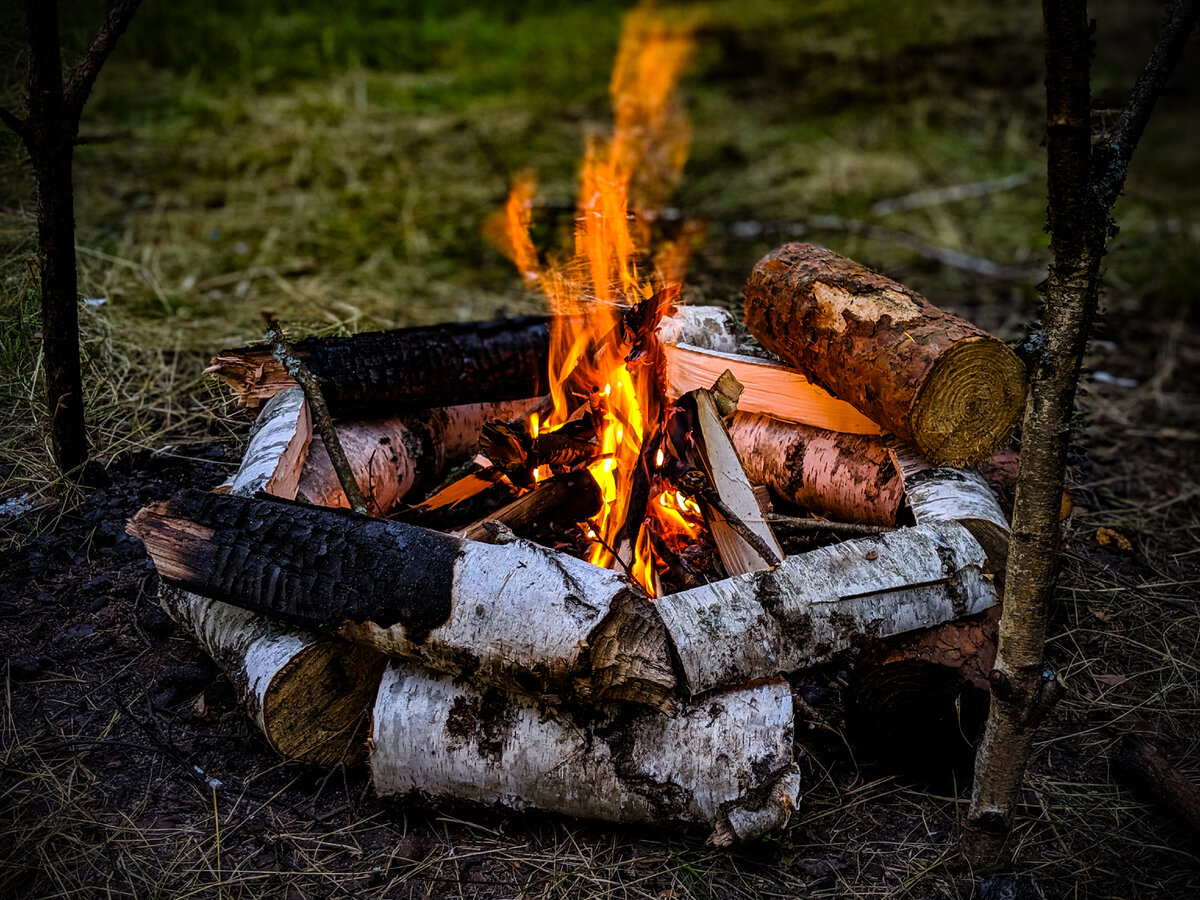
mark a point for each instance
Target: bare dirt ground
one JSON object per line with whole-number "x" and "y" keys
{"x": 128, "y": 771}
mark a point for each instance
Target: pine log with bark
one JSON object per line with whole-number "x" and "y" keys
{"x": 931, "y": 378}
{"x": 511, "y": 614}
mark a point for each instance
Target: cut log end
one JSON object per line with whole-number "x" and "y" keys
{"x": 970, "y": 402}
{"x": 631, "y": 658}
{"x": 317, "y": 708}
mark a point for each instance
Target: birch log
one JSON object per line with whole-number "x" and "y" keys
{"x": 938, "y": 492}
{"x": 392, "y": 457}
{"x": 512, "y": 614}
{"x": 932, "y": 379}
{"x": 803, "y": 611}
{"x": 851, "y": 477}
{"x": 726, "y": 762}
{"x": 309, "y": 695}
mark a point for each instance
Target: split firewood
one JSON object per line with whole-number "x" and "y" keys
{"x": 811, "y": 606}
{"x": 713, "y": 474}
{"x": 851, "y": 477}
{"x": 938, "y": 492}
{"x": 404, "y": 370}
{"x": 277, "y": 449}
{"x": 561, "y": 500}
{"x": 396, "y": 456}
{"x": 281, "y": 350}
{"x": 726, "y": 762}
{"x": 917, "y": 702}
{"x": 933, "y": 379}
{"x": 514, "y": 614}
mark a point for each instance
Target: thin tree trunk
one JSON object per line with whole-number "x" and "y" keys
{"x": 1083, "y": 185}
{"x": 50, "y": 138}
{"x": 49, "y": 133}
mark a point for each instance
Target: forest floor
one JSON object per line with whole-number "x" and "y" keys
{"x": 338, "y": 171}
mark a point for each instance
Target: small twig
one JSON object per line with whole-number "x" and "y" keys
{"x": 1112, "y": 155}
{"x": 281, "y": 349}
{"x": 850, "y": 529}
{"x": 83, "y": 76}
{"x": 734, "y": 521}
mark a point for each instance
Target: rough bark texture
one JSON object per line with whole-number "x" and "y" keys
{"x": 392, "y": 457}
{"x": 512, "y": 614}
{"x": 803, "y": 611}
{"x": 49, "y": 133}
{"x": 851, "y": 477}
{"x": 405, "y": 370}
{"x": 931, "y": 378}
{"x": 938, "y": 492}
{"x": 726, "y": 762}
{"x": 1083, "y": 184}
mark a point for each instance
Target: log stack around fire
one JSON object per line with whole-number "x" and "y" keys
{"x": 491, "y": 667}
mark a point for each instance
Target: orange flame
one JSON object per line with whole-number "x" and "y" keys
{"x": 622, "y": 182}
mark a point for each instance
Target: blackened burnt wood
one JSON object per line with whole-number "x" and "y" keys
{"x": 513, "y": 614}
{"x": 404, "y": 370}
{"x": 931, "y": 378}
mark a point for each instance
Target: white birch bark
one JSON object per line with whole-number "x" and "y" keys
{"x": 392, "y": 456}
{"x": 306, "y": 693}
{"x": 727, "y": 762}
{"x": 802, "y": 612}
{"x": 961, "y": 495}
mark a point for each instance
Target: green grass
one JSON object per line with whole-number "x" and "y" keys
{"x": 334, "y": 162}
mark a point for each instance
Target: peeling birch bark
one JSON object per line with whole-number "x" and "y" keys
{"x": 278, "y": 446}
{"x": 938, "y": 493}
{"x": 726, "y": 762}
{"x": 392, "y": 457}
{"x": 512, "y": 614}
{"x": 850, "y": 477}
{"x": 813, "y": 605}
{"x": 710, "y": 327}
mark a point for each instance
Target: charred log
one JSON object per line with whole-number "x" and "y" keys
{"x": 514, "y": 614}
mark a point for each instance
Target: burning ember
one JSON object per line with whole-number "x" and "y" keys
{"x": 607, "y": 297}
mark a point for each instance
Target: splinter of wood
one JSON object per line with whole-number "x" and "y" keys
{"x": 282, "y": 351}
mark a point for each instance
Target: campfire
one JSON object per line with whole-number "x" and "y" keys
{"x": 599, "y": 539}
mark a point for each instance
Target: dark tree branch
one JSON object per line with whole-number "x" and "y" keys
{"x": 16, "y": 124}
{"x": 83, "y": 76}
{"x": 1113, "y": 154}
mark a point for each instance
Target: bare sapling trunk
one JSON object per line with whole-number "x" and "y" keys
{"x": 50, "y": 132}
{"x": 1084, "y": 181}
